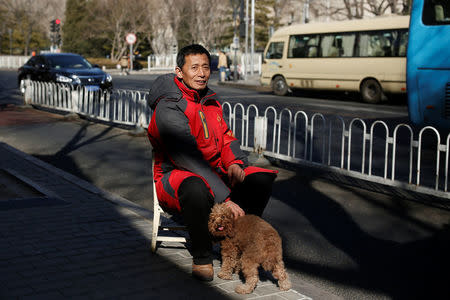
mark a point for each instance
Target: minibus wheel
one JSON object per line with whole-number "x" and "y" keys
{"x": 279, "y": 86}
{"x": 371, "y": 91}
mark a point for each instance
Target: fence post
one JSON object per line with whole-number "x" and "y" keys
{"x": 28, "y": 91}
{"x": 260, "y": 135}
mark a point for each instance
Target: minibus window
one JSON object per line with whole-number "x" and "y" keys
{"x": 436, "y": 12}
{"x": 275, "y": 50}
{"x": 301, "y": 46}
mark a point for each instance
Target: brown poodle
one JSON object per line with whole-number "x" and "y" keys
{"x": 247, "y": 243}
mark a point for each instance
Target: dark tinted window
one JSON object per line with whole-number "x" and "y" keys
{"x": 72, "y": 62}
{"x": 31, "y": 61}
{"x": 436, "y": 12}
{"x": 275, "y": 50}
{"x": 39, "y": 62}
{"x": 303, "y": 46}
{"x": 386, "y": 43}
{"x": 338, "y": 45}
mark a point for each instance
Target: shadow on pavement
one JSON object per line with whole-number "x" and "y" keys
{"x": 84, "y": 247}
{"x": 402, "y": 256}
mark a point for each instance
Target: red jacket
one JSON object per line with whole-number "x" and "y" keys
{"x": 188, "y": 132}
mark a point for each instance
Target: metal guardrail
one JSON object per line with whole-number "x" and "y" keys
{"x": 297, "y": 138}
{"x": 161, "y": 62}
{"x": 12, "y": 62}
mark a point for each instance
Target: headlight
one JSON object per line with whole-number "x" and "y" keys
{"x": 108, "y": 78}
{"x": 61, "y": 78}
{"x": 75, "y": 79}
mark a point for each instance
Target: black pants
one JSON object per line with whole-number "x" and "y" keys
{"x": 196, "y": 202}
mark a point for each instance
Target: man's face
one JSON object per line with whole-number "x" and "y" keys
{"x": 195, "y": 72}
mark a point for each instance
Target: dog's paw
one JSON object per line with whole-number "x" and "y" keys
{"x": 224, "y": 275}
{"x": 284, "y": 284}
{"x": 243, "y": 289}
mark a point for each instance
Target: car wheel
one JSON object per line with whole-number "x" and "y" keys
{"x": 279, "y": 86}
{"x": 371, "y": 91}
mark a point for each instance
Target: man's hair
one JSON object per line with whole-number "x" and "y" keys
{"x": 190, "y": 50}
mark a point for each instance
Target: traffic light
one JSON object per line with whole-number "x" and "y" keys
{"x": 52, "y": 26}
{"x": 57, "y": 25}
{"x": 58, "y": 39}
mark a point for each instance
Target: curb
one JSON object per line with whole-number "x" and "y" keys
{"x": 254, "y": 87}
{"x": 115, "y": 199}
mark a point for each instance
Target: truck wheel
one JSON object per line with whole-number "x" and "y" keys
{"x": 279, "y": 86}
{"x": 371, "y": 91}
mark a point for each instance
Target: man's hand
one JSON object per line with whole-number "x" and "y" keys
{"x": 235, "y": 209}
{"x": 235, "y": 174}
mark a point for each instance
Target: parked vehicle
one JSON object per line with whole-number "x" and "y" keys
{"x": 66, "y": 68}
{"x": 367, "y": 55}
{"x": 428, "y": 64}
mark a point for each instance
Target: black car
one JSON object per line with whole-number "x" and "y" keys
{"x": 65, "y": 68}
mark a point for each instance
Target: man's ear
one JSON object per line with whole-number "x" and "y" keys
{"x": 179, "y": 72}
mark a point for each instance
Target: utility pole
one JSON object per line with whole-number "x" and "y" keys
{"x": 246, "y": 38}
{"x": 305, "y": 17}
{"x": 235, "y": 4}
{"x": 328, "y": 10}
{"x": 252, "y": 39}
{"x": 10, "y": 40}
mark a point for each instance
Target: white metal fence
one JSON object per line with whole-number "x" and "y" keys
{"x": 246, "y": 61}
{"x": 12, "y": 62}
{"x": 168, "y": 62}
{"x": 162, "y": 62}
{"x": 392, "y": 157}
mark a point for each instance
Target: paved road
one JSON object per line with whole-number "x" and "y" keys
{"x": 345, "y": 240}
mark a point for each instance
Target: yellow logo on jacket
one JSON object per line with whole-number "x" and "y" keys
{"x": 205, "y": 127}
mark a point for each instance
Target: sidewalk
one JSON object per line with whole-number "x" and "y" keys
{"x": 65, "y": 238}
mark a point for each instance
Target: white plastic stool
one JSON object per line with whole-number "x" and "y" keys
{"x": 157, "y": 226}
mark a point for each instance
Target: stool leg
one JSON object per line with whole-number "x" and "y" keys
{"x": 156, "y": 219}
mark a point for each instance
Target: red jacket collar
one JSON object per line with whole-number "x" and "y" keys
{"x": 192, "y": 94}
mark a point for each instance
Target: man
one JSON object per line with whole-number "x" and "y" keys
{"x": 222, "y": 65}
{"x": 198, "y": 161}
{"x": 124, "y": 65}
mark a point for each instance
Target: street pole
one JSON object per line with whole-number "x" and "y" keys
{"x": 328, "y": 10}
{"x": 305, "y": 16}
{"x": 131, "y": 57}
{"x": 252, "y": 39}
{"x": 246, "y": 38}
{"x": 10, "y": 41}
{"x": 234, "y": 38}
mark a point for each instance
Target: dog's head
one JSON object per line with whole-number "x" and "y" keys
{"x": 221, "y": 221}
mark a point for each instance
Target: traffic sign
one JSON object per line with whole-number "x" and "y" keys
{"x": 131, "y": 38}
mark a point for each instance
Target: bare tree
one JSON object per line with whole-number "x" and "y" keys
{"x": 379, "y": 7}
{"x": 29, "y": 16}
{"x": 162, "y": 25}
{"x": 119, "y": 17}
{"x": 279, "y": 10}
{"x": 354, "y": 9}
{"x": 206, "y": 20}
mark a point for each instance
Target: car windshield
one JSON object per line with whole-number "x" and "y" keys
{"x": 71, "y": 62}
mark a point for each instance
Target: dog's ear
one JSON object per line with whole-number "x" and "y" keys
{"x": 229, "y": 220}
